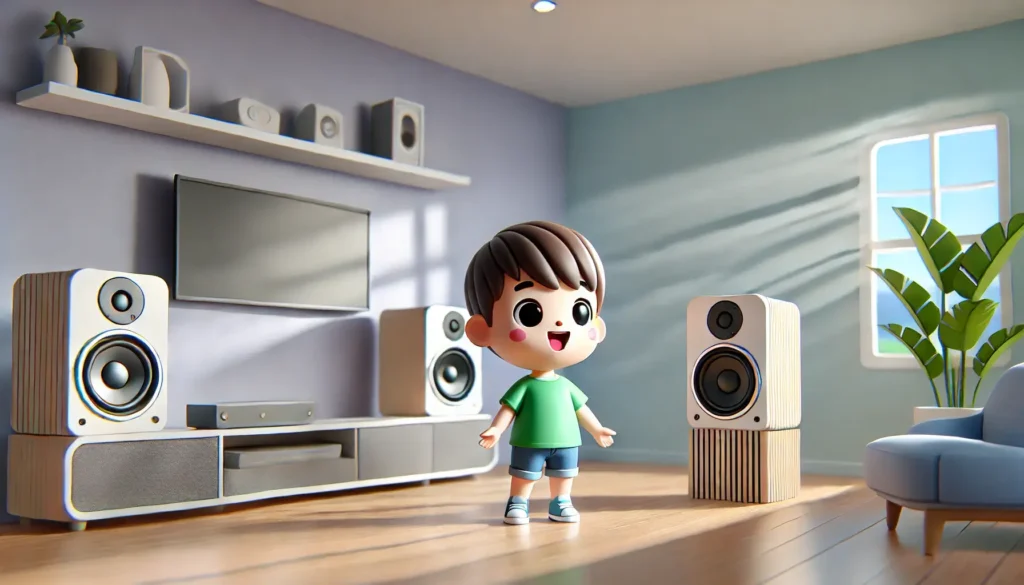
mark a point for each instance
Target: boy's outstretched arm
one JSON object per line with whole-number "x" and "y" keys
{"x": 601, "y": 434}
{"x": 489, "y": 438}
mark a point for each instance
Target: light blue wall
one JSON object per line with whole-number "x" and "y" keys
{"x": 751, "y": 185}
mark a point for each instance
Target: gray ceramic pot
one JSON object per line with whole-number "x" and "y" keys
{"x": 97, "y": 70}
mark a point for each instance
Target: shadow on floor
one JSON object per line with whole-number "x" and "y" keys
{"x": 725, "y": 555}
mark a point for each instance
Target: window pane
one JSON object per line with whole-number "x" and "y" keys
{"x": 888, "y": 308}
{"x": 888, "y": 225}
{"x": 969, "y": 212}
{"x": 968, "y": 157}
{"x": 903, "y": 166}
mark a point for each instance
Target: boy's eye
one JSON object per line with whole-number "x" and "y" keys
{"x": 528, "y": 313}
{"x": 581, "y": 312}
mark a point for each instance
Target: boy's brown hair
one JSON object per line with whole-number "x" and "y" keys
{"x": 547, "y": 252}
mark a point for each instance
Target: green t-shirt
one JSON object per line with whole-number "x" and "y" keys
{"x": 545, "y": 412}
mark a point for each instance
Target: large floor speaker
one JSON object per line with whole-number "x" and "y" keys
{"x": 427, "y": 365}
{"x": 743, "y": 397}
{"x": 89, "y": 353}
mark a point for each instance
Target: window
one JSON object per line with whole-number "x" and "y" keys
{"x": 957, "y": 173}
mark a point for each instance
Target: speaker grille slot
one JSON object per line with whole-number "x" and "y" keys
{"x": 752, "y": 467}
{"x": 125, "y": 475}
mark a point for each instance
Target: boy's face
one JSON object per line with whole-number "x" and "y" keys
{"x": 538, "y": 328}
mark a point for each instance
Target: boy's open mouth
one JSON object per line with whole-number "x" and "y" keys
{"x": 558, "y": 339}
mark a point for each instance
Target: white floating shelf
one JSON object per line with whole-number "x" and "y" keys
{"x": 89, "y": 105}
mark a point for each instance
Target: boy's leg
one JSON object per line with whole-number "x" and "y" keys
{"x": 562, "y": 467}
{"x": 525, "y": 470}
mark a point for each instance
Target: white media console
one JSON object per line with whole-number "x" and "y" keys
{"x": 80, "y": 479}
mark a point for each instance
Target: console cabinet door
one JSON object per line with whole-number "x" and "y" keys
{"x": 456, "y": 446}
{"x": 398, "y": 451}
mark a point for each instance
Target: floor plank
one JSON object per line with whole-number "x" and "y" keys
{"x": 639, "y": 526}
{"x": 975, "y": 553}
{"x": 1010, "y": 569}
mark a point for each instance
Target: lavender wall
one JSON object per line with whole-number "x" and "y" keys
{"x": 80, "y": 194}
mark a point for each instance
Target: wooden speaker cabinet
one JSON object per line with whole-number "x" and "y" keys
{"x": 80, "y": 479}
{"x": 754, "y": 467}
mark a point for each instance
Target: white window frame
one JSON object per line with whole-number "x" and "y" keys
{"x": 869, "y": 282}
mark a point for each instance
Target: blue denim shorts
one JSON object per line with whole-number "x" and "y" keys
{"x": 527, "y": 462}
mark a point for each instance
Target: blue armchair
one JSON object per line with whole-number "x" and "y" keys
{"x": 960, "y": 469}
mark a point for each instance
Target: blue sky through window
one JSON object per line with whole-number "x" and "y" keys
{"x": 904, "y": 166}
{"x": 968, "y": 157}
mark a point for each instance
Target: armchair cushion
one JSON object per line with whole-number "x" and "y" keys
{"x": 951, "y": 471}
{"x": 907, "y": 466}
{"x": 984, "y": 474}
{"x": 968, "y": 427}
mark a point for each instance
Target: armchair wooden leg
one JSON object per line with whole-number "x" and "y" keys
{"x": 934, "y": 522}
{"x": 892, "y": 514}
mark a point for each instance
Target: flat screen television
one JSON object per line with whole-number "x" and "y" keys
{"x": 244, "y": 246}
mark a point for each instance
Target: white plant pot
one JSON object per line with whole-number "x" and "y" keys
{"x": 60, "y": 66}
{"x": 923, "y": 413}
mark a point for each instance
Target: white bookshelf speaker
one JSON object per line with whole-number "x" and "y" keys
{"x": 320, "y": 124}
{"x": 89, "y": 353}
{"x": 397, "y": 131}
{"x": 743, "y": 363}
{"x": 427, "y": 365}
{"x": 743, "y": 398}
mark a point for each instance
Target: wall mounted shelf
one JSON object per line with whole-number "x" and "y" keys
{"x": 80, "y": 103}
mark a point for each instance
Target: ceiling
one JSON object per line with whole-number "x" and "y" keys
{"x": 592, "y": 51}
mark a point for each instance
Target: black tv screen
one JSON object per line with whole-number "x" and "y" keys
{"x": 245, "y": 246}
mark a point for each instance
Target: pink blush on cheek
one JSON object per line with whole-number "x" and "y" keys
{"x": 592, "y": 334}
{"x": 518, "y": 335}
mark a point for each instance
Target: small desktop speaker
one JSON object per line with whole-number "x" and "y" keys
{"x": 397, "y": 131}
{"x": 89, "y": 353}
{"x": 252, "y": 114}
{"x": 743, "y": 398}
{"x": 428, "y": 367}
{"x": 320, "y": 124}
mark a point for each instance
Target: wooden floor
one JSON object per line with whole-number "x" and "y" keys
{"x": 638, "y": 527}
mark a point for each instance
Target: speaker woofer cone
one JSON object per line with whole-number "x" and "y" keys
{"x": 452, "y": 375}
{"x": 118, "y": 375}
{"x": 726, "y": 381}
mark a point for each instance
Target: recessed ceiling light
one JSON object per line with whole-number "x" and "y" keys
{"x": 544, "y": 6}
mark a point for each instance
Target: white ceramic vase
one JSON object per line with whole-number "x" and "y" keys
{"x": 156, "y": 85}
{"x": 923, "y": 413}
{"x": 60, "y": 66}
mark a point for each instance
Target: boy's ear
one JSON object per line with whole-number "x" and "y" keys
{"x": 478, "y": 332}
{"x": 601, "y": 329}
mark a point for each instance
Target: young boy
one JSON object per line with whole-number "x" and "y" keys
{"x": 534, "y": 292}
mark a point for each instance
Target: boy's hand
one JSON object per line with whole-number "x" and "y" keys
{"x": 489, "y": 438}
{"x": 603, "y": 436}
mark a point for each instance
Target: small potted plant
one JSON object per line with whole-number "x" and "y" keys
{"x": 959, "y": 328}
{"x": 60, "y": 66}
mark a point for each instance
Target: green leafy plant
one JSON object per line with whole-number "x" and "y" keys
{"x": 60, "y": 25}
{"x": 968, "y": 273}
